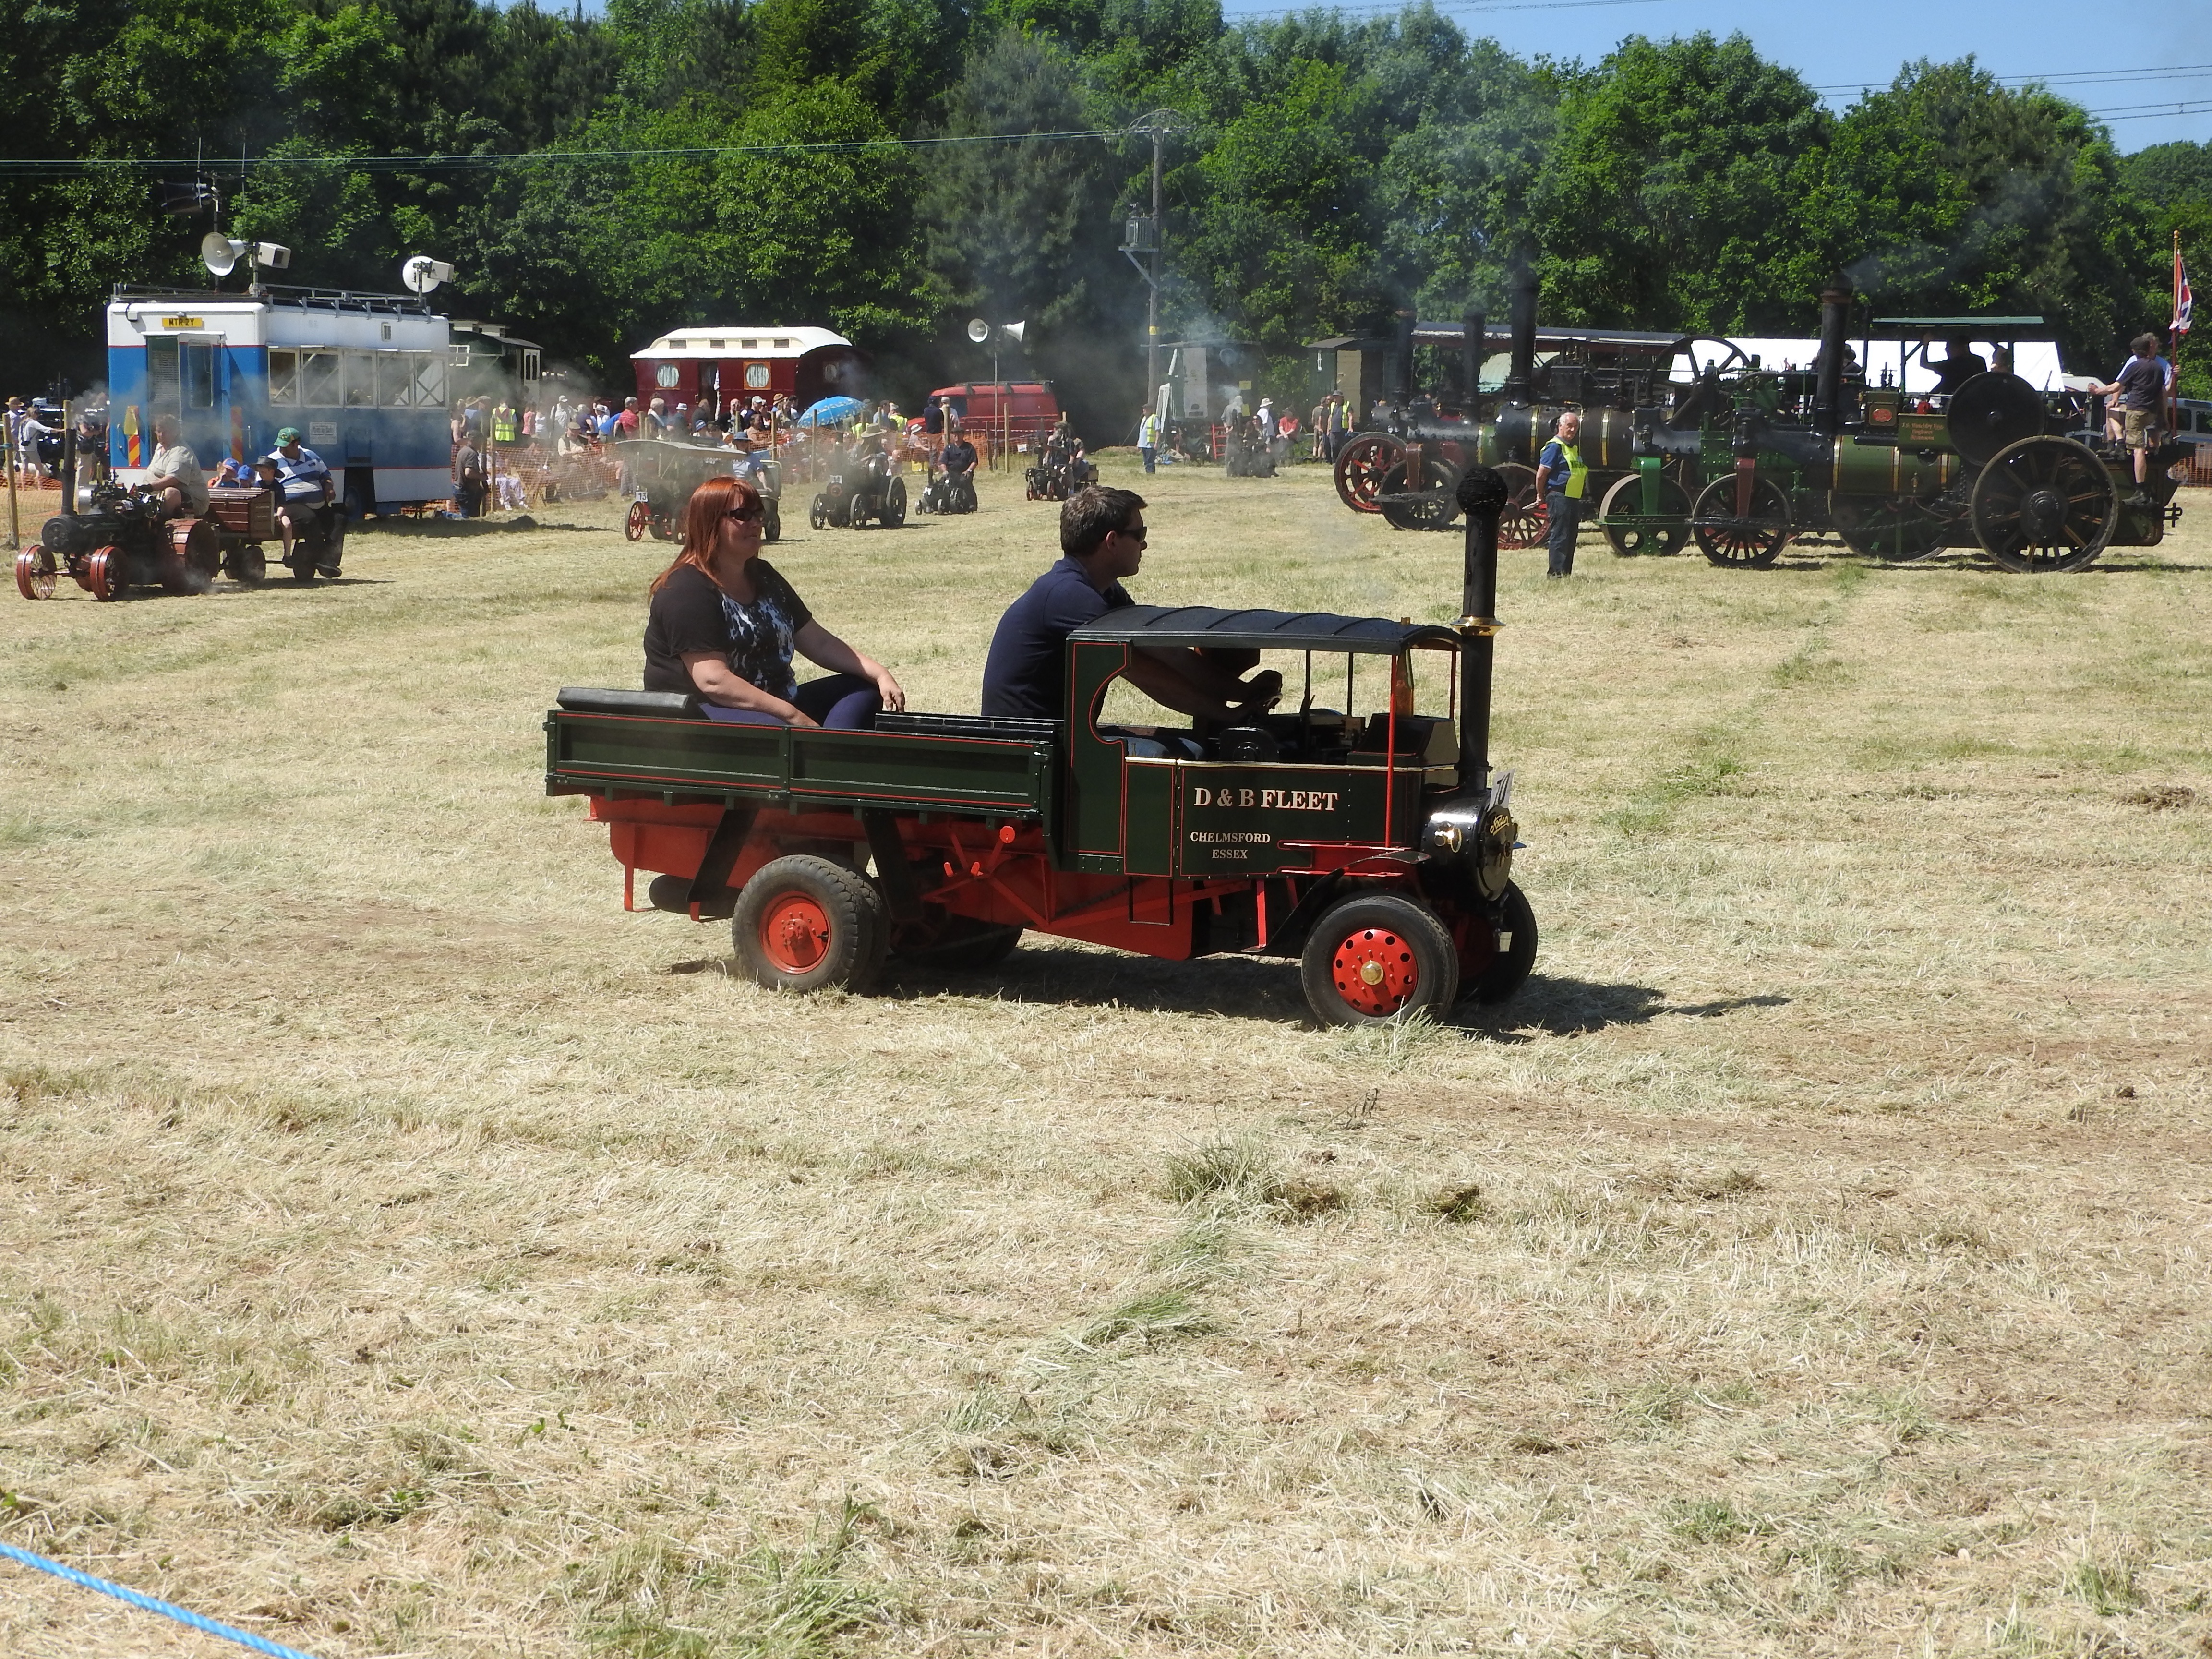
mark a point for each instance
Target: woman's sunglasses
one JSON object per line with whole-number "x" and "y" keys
{"x": 745, "y": 514}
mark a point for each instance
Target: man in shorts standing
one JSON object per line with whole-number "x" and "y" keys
{"x": 2141, "y": 387}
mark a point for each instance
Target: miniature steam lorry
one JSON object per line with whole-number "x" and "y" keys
{"x": 1376, "y": 849}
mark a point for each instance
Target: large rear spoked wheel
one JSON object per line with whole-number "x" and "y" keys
{"x": 802, "y": 923}
{"x": 2045, "y": 505}
{"x": 1375, "y": 957}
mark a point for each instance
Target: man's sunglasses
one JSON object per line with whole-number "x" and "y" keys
{"x": 1135, "y": 534}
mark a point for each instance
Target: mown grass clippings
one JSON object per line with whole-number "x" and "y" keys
{"x": 367, "y": 1154}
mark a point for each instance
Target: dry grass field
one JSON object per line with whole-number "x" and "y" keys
{"x": 405, "y": 1251}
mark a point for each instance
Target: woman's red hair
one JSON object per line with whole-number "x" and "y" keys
{"x": 704, "y": 513}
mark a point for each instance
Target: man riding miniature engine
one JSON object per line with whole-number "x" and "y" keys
{"x": 308, "y": 502}
{"x": 952, "y": 487}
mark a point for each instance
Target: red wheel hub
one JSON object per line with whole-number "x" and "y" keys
{"x": 640, "y": 516}
{"x": 794, "y": 934}
{"x": 1375, "y": 971}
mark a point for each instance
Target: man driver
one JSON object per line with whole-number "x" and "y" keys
{"x": 304, "y": 495}
{"x": 1102, "y": 540}
{"x": 175, "y": 474}
{"x": 958, "y": 457}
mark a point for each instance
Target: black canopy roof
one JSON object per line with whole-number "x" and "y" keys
{"x": 1265, "y": 630}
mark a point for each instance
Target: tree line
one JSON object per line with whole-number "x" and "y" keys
{"x": 689, "y": 160}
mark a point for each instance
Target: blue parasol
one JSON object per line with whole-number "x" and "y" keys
{"x": 830, "y": 411}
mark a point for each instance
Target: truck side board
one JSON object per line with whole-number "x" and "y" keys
{"x": 797, "y": 770}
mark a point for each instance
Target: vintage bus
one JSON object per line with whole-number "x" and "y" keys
{"x": 363, "y": 376}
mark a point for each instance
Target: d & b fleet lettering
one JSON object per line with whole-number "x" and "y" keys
{"x": 1290, "y": 800}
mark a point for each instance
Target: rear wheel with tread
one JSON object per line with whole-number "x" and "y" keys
{"x": 1375, "y": 956}
{"x": 804, "y": 923}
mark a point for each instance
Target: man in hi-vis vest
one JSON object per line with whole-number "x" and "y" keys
{"x": 1561, "y": 482}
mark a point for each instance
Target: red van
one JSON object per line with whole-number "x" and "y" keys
{"x": 1031, "y": 409}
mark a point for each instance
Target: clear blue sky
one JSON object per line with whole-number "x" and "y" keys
{"x": 1849, "y": 44}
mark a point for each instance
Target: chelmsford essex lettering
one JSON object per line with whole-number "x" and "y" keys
{"x": 1289, "y": 800}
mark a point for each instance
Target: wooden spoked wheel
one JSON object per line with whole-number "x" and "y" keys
{"x": 1633, "y": 532}
{"x": 638, "y": 521}
{"x": 1897, "y": 527}
{"x": 107, "y": 574}
{"x": 1524, "y": 523}
{"x": 2045, "y": 505}
{"x": 35, "y": 570}
{"x": 249, "y": 565}
{"x": 1375, "y": 957}
{"x": 1426, "y": 506}
{"x": 1362, "y": 466}
{"x": 1729, "y": 536}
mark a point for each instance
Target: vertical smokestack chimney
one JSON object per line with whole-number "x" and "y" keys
{"x": 1482, "y": 496}
{"x": 1474, "y": 327}
{"x": 1524, "y": 334}
{"x": 1828, "y": 378}
{"x": 1401, "y": 360}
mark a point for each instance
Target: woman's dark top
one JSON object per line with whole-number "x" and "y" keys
{"x": 691, "y": 614}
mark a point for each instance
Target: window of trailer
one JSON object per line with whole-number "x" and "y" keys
{"x": 395, "y": 380}
{"x": 283, "y": 379}
{"x": 319, "y": 380}
{"x": 429, "y": 379}
{"x": 359, "y": 380}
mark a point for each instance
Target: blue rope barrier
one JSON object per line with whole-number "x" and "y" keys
{"x": 153, "y": 1604}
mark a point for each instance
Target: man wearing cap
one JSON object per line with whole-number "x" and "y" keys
{"x": 304, "y": 492}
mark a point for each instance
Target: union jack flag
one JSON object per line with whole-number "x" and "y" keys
{"x": 2183, "y": 301}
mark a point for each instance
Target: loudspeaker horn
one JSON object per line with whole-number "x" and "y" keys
{"x": 1015, "y": 331}
{"x": 219, "y": 254}
{"x": 979, "y": 331}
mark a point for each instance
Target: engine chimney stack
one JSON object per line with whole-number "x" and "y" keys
{"x": 1524, "y": 335}
{"x": 1474, "y": 328}
{"x": 1401, "y": 360}
{"x": 1828, "y": 379}
{"x": 1482, "y": 496}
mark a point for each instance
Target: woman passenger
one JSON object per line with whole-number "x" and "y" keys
{"x": 723, "y": 626}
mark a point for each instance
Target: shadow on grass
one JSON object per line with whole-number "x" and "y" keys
{"x": 1262, "y": 988}
{"x": 1548, "y": 1006}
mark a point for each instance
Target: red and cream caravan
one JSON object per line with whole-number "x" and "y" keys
{"x": 732, "y": 363}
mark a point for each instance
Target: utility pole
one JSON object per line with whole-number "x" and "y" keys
{"x": 1143, "y": 236}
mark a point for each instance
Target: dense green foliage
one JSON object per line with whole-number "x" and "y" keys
{"x": 1335, "y": 170}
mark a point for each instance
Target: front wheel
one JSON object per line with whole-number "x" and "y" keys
{"x": 1738, "y": 529}
{"x": 893, "y": 515}
{"x": 817, "y": 515}
{"x": 639, "y": 520}
{"x": 1495, "y": 960}
{"x": 802, "y": 923}
{"x": 1376, "y": 956}
{"x": 771, "y": 522}
{"x": 35, "y": 570}
{"x": 107, "y": 573}
{"x": 1632, "y": 533}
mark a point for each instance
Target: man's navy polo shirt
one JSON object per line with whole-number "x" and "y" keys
{"x": 1025, "y": 677}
